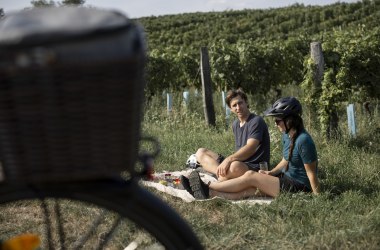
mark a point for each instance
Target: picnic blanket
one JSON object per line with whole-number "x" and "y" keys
{"x": 178, "y": 191}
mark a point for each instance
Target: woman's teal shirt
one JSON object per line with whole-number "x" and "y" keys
{"x": 304, "y": 152}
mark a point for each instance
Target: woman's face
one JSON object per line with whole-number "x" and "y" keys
{"x": 280, "y": 123}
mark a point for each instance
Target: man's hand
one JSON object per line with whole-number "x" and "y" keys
{"x": 222, "y": 169}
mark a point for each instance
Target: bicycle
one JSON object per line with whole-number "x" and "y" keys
{"x": 71, "y": 85}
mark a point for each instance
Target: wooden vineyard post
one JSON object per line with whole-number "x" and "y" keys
{"x": 317, "y": 56}
{"x": 208, "y": 104}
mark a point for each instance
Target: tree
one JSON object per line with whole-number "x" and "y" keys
{"x": 188, "y": 70}
{"x": 73, "y": 2}
{"x": 163, "y": 73}
{"x": 225, "y": 66}
{"x": 50, "y": 3}
{"x": 43, "y": 3}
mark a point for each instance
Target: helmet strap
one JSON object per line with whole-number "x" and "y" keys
{"x": 287, "y": 129}
{"x": 286, "y": 126}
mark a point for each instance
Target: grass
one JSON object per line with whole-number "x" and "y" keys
{"x": 346, "y": 215}
{"x": 77, "y": 217}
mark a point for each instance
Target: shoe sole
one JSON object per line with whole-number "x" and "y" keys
{"x": 196, "y": 186}
{"x": 186, "y": 184}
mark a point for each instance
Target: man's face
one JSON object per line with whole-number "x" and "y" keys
{"x": 239, "y": 107}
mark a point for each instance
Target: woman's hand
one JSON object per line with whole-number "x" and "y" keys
{"x": 264, "y": 172}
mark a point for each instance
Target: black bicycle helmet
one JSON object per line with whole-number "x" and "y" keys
{"x": 285, "y": 106}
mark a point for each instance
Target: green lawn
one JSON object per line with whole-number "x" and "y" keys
{"x": 346, "y": 215}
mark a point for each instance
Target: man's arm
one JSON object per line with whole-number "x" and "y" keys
{"x": 242, "y": 154}
{"x": 246, "y": 151}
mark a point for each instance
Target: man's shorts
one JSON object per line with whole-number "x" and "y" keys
{"x": 288, "y": 184}
{"x": 250, "y": 165}
{"x": 220, "y": 158}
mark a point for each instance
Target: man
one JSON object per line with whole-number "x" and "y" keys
{"x": 251, "y": 142}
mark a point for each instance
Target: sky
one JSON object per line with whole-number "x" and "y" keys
{"x": 143, "y": 8}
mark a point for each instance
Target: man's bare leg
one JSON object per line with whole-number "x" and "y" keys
{"x": 236, "y": 169}
{"x": 208, "y": 160}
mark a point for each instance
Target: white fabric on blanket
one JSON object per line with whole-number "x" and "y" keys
{"x": 184, "y": 195}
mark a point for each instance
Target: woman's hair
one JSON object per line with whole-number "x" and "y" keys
{"x": 234, "y": 93}
{"x": 293, "y": 122}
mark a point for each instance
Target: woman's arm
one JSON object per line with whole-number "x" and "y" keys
{"x": 311, "y": 171}
{"x": 278, "y": 169}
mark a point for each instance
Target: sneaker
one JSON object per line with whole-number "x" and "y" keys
{"x": 186, "y": 184}
{"x": 199, "y": 188}
{"x": 192, "y": 162}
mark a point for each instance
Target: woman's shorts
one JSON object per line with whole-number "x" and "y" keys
{"x": 287, "y": 184}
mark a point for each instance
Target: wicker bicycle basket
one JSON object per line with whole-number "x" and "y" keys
{"x": 71, "y": 89}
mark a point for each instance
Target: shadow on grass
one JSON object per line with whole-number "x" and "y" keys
{"x": 342, "y": 184}
{"x": 370, "y": 141}
{"x": 341, "y": 187}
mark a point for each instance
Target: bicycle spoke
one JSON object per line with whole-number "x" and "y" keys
{"x": 79, "y": 243}
{"x": 109, "y": 234}
{"x": 94, "y": 220}
{"x": 47, "y": 221}
{"x": 61, "y": 233}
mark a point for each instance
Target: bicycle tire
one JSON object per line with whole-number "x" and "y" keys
{"x": 126, "y": 198}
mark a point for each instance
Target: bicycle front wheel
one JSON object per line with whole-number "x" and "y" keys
{"x": 111, "y": 214}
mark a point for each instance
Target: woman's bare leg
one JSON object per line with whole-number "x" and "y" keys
{"x": 267, "y": 184}
{"x": 235, "y": 196}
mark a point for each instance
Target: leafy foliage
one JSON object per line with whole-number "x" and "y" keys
{"x": 263, "y": 50}
{"x": 352, "y": 60}
{"x": 266, "y": 50}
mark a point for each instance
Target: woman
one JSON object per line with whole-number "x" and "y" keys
{"x": 296, "y": 172}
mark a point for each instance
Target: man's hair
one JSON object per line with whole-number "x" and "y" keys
{"x": 234, "y": 93}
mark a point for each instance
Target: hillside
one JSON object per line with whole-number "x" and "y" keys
{"x": 190, "y": 31}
